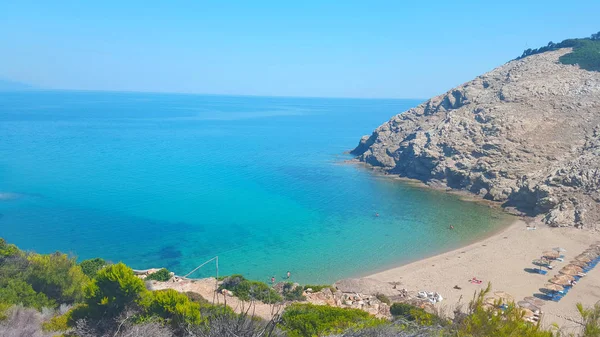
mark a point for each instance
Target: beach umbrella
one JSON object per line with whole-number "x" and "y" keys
{"x": 583, "y": 258}
{"x": 562, "y": 277}
{"x": 540, "y": 262}
{"x": 567, "y": 277}
{"x": 527, "y": 305}
{"x": 487, "y": 306}
{"x": 527, "y": 313}
{"x": 553, "y": 287}
{"x": 559, "y": 249}
{"x": 568, "y": 272}
{"x": 490, "y": 301}
{"x": 593, "y": 253}
{"x": 504, "y": 295}
{"x": 573, "y": 267}
{"x": 535, "y": 301}
{"x": 560, "y": 281}
{"x": 579, "y": 263}
{"x": 550, "y": 254}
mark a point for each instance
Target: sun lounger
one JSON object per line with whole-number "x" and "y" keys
{"x": 540, "y": 271}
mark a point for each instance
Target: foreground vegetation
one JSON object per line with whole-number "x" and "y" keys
{"x": 53, "y": 295}
{"x": 586, "y": 52}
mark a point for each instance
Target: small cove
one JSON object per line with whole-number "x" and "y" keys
{"x": 159, "y": 180}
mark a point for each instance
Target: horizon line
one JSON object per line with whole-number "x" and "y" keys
{"x": 33, "y": 88}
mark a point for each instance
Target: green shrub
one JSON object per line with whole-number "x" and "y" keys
{"x": 590, "y": 316}
{"x": 113, "y": 288}
{"x": 162, "y": 275}
{"x": 172, "y": 306}
{"x": 318, "y": 287}
{"x": 3, "y": 309}
{"x": 291, "y": 293}
{"x": 383, "y": 299}
{"x": 8, "y": 250}
{"x": 195, "y": 297}
{"x": 57, "y": 276}
{"x": 92, "y": 266}
{"x": 250, "y": 290}
{"x": 58, "y": 323}
{"x": 482, "y": 321}
{"x": 230, "y": 282}
{"x": 307, "y": 320}
{"x": 16, "y": 291}
{"x": 414, "y": 314}
{"x": 586, "y": 52}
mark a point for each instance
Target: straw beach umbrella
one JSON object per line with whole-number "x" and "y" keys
{"x": 504, "y": 296}
{"x": 567, "y": 277}
{"x": 560, "y": 281}
{"x": 550, "y": 254}
{"x": 535, "y": 301}
{"x": 527, "y": 313}
{"x": 559, "y": 249}
{"x": 573, "y": 267}
{"x": 570, "y": 272}
{"x": 527, "y": 305}
{"x": 583, "y": 258}
{"x": 487, "y": 306}
{"x": 490, "y": 301}
{"x": 553, "y": 287}
{"x": 578, "y": 263}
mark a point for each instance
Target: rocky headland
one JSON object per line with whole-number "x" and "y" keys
{"x": 526, "y": 134}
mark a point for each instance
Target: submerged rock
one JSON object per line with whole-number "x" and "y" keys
{"x": 526, "y": 134}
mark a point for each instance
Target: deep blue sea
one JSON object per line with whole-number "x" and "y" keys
{"x": 170, "y": 180}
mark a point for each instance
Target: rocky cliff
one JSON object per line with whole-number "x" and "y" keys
{"x": 526, "y": 134}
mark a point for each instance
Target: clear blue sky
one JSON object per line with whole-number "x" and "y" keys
{"x": 283, "y": 48}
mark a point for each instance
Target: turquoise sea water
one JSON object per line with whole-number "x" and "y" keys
{"x": 161, "y": 180}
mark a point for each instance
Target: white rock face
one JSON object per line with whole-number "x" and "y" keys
{"x": 526, "y": 134}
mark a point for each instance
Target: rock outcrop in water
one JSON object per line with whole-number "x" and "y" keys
{"x": 526, "y": 134}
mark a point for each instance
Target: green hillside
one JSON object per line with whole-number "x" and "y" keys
{"x": 586, "y": 52}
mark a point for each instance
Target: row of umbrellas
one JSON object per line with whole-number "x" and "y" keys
{"x": 531, "y": 305}
{"x": 574, "y": 268}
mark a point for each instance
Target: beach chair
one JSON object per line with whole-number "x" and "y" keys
{"x": 541, "y": 271}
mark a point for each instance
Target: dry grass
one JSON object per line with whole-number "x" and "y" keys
{"x": 23, "y": 322}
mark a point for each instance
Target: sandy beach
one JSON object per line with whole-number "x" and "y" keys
{"x": 502, "y": 259}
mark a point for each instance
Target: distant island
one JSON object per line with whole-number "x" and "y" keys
{"x": 526, "y": 134}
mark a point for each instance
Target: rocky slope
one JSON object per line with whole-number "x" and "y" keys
{"x": 526, "y": 134}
